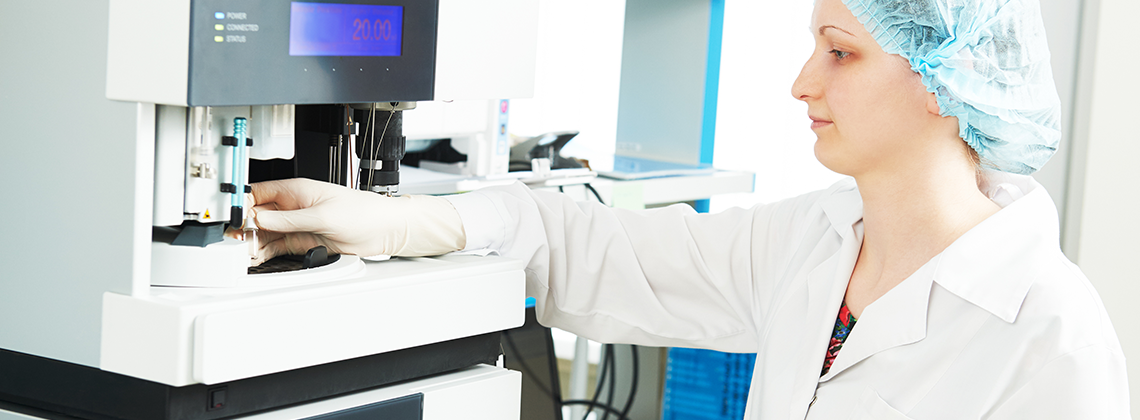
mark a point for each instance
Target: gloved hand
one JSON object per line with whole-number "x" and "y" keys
{"x": 296, "y": 215}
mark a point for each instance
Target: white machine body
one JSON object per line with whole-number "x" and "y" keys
{"x": 204, "y": 320}
{"x": 181, "y": 336}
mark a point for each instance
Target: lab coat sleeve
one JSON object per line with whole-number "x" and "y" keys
{"x": 658, "y": 277}
{"x": 1090, "y": 383}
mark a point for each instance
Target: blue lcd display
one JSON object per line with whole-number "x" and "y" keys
{"x": 333, "y": 29}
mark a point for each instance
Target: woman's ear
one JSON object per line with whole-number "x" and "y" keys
{"x": 932, "y": 104}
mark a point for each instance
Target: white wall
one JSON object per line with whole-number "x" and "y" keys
{"x": 578, "y": 72}
{"x": 759, "y": 126}
{"x": 577, "y": 75}
{"x": 1062, "y": 24}
{"x": 1108, "y": 248}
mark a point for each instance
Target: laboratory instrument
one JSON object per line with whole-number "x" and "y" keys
{"x": 196, "y": 100}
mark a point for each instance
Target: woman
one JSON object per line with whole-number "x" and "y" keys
{"x": 938, "y": 255}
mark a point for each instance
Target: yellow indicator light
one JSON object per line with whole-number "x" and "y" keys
{"x": 219, "y": 27}
{"x": 219, "y": 39}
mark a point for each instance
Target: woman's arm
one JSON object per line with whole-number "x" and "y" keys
{"x": 660, "y": 277}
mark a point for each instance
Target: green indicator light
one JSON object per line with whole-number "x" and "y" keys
{"x": 219, "y": 27}
{"x": 219, "y": 39}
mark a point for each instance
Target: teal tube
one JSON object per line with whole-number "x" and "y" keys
{"x": 239, "y": 166}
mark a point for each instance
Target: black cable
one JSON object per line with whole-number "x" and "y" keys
{"x": 561, "y": 190}
{"x": 632, "y": 384}
{"x": 605, "y": 363}
{"x": 591, "y": 405}
{"x": 611, "y": 349}
{"x": 596, "y": 195}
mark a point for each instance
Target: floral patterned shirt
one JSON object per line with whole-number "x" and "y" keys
{"x": 843, "y": 324}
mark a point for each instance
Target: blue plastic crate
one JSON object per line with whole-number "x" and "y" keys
{"x": 706, "y": 384}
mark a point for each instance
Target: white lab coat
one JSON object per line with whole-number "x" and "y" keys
{"x": 1000, "y": 325}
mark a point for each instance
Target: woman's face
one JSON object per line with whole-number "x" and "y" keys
{"x": 868, "y": 108}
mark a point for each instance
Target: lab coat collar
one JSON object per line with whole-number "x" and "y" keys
{"x": 988, "y": 266}
{"x": 844, "y": 208}
{"x": 991, "y": 265}
{"x": 896, "y": 319}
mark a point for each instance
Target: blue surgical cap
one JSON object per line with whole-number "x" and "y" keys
{"x": 987, "y": 62}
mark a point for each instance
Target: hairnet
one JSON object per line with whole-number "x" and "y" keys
{"x": 987, "y": 62}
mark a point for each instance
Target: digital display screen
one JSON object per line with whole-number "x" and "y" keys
{"x": 333, "y": 29}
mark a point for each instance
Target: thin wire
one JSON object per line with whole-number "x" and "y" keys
{"x": 605, "y": 362}
{"x": 343, "y": 177}
{"x": 526, "y": 369}
{"x": 378, "y": 144}
{"x": 351, "y": 174}
{"x": 596, "y": 195}
{"x": 368, "y": 132}
{"x": 613, "y": 378}
{"x": 351, "y": 171}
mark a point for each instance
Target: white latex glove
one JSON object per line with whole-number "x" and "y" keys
{"x": 296, "y": 215}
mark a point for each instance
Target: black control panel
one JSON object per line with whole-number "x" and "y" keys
{"x": 265, "y": 52}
